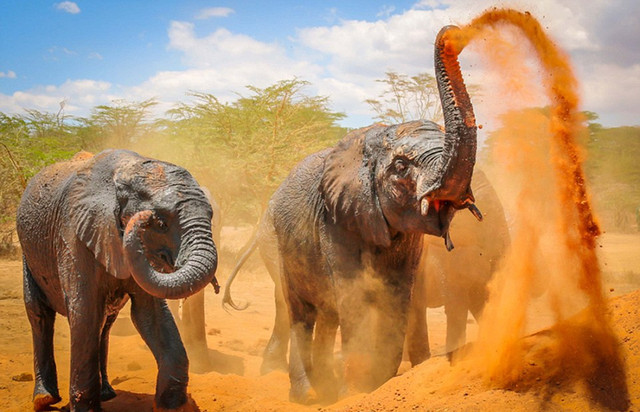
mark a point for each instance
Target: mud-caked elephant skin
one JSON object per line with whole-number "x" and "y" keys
{"x": 349, "y": 221}
{"x": 96, "y": 231}
{"x": 458, "y": 279}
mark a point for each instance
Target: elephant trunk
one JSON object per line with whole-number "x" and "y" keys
{"x": 197, "y": 259}
{"x": 455, "y": 168}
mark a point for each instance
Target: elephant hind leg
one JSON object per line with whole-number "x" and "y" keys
{"x": 106, "y": 390}
{"x": 275, "y": 353}
{"x": 42, "y": 318}
{"x": 303, "y": 317}
{"x": 324, "y": 376}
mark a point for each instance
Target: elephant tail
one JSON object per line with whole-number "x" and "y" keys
{"x": 248, "y": 250}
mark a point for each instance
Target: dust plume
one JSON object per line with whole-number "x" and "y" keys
{"x": 554, "y": 230}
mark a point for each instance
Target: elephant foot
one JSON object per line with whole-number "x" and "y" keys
{"x": 272, "y": 363}
{"x": 43, "y": 401}
{"x": 419, "y": 355}
{"x": 107, "y": 392}
{"x": 188, "y": 406}
{"x": 199, "y": 361}
{"x": 303, "y": 394}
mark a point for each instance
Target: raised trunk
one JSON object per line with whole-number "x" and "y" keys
{"x": 197, "y": 260}
{"x": 453, "y": 176}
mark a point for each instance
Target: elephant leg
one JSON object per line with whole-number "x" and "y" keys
{"x": 152, "y": 318}
{"x": 417, "y": 337}
{"x": 193, "y": 331}
{"x": 42, "y": 318}
{"x": 106, "y": 391}
{"x": 390, "y": 331}
{"x": 456, "y": 310}
{"x": 275, "y": 354}
{"x": 478, "y": 296}
{"x": 324, "y": 378}
{"x": 303, "y": 318}
{"x": 86, "y": 317}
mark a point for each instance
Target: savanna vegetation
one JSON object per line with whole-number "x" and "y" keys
{"x": 241, "y": 150}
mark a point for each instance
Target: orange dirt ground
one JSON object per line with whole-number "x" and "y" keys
{"x": 237, "y": 339}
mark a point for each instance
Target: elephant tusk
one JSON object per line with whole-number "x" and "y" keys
{"x": 447, "y": 242}
{"x": 475, "y": 211}
{"x": 424, "y": 206}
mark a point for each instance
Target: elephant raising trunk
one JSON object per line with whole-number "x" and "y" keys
{"x": 350, "y": 220}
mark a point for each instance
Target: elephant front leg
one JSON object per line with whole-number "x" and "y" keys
{"x": 389, "y": 334}
{"x": 85, "y": 323}
{"x": 417, "y": 338}
{"x": 154, "y": 322}
{"x": 42, "y": 318}
{"x": 417, "y": 335}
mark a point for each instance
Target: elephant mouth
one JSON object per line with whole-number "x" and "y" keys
{"x": 163, "y": 261}
{"x": 439, "y": 213}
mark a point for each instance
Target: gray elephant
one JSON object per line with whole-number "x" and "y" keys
{"x": 96, "y": 231}
{"x": 458, "y": 279}
{"x": 350, "y": 221}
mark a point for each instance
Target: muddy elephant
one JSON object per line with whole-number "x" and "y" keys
{"x": 189, "y": 313}
{"x": 349, "y": 221}
{"x": 99, "y": 230}
{"x": 458, "y": 279}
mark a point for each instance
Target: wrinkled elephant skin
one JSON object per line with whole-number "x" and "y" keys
{"x": 96, "y": 231}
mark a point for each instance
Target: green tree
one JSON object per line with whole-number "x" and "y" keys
{"x": 118, "y": 125}
{"x": 408, "y": 98}
{"x": 254, "y": 141}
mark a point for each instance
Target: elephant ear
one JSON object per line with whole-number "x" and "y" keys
{"x": 95, "y": 214}
{"x": 348, "y": 186}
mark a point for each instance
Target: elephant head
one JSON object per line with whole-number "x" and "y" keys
{"x": 147, "y": 219}
{"x": 383, "y": 180}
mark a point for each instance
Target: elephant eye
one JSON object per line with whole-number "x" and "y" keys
{"x": 400, "y": 165}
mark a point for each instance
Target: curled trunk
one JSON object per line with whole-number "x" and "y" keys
{"x": 453, "y": 175}
{"x": 197, "y": 259}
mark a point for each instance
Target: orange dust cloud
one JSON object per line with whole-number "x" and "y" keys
{"x": 554, "y": 230}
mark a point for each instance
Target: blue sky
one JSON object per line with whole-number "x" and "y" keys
{"x": 93, "y": 52}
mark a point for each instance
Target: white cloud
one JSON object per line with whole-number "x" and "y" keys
{"x": 214, "y": 12}
{"x": 80, "y": 96}
{"x": 68, "y": 7}
{"x": 342, "y": 60}
{"x": 10, "y": 74}
{"x": 95, "y": 56}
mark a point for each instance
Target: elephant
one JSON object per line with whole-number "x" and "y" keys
{"x": 96, "y": 231}
{"x": 458, "y": 279}
{"x": 189, "y": 312}
{"x": 455, "y": 279}
{"x": 349, "y": 222}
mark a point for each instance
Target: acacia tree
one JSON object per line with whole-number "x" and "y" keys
{"x": 408, "y": 98}
{"x": 28, "y": 142}
{"x": 119, "y": 124}
{"x": 254, "y": 141}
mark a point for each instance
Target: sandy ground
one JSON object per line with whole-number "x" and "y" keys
{"x": 236, "y": 341}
